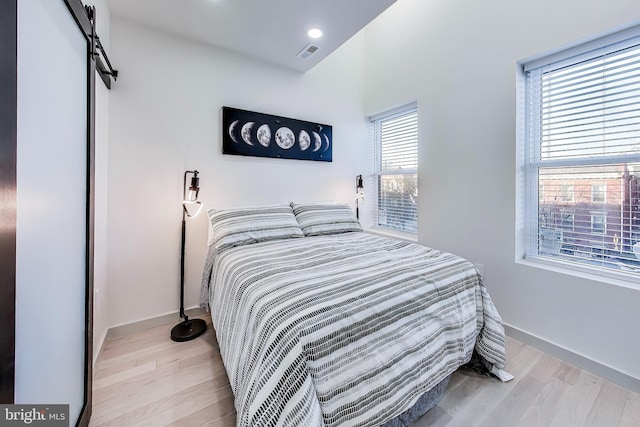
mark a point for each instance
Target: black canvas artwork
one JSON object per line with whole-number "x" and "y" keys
{"x": 248, "y": 133}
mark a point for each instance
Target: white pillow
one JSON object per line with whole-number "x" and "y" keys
{"x": 317, "y": 219}
{"x": 243, "y": 226}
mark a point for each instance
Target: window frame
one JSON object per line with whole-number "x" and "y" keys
{"x": 378, "y": 171}
{"x": 567, "y": 219}
{"x": 603, "y": 216}
{"x": 570, "y": 193}
{"x": 601, "y": 194}
{"x": 528, "y": 197}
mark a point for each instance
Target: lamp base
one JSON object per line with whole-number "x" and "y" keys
{"x": 188, "y": 330}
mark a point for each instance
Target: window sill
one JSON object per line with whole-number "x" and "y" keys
{"x": 392, "y": 234}
{"x": 625, "y": 280}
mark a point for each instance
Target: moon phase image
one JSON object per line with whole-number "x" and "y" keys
{"x": 246, "y": 132}
{"x": 326, "y": 138}
{"x": 264, "y": 135}
{"x": 232, "y": 128}
{"x": 285, "y": 138}
{"x": 318, "y": 142}
{"x": 304, "y": 140}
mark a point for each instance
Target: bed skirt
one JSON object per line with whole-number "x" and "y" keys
{"x": 426, "y": 402}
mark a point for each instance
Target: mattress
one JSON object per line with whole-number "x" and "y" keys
{"x": 344, "y": 330}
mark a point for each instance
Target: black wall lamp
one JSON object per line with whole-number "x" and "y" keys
{"x": 359, "y": 195}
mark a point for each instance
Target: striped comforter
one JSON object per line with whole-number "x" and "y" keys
{"x": 345, "y": 330}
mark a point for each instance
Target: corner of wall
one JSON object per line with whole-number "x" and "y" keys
{"x": 100, "y": 281}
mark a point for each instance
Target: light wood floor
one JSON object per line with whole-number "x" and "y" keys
{"x": 145, "y": 379}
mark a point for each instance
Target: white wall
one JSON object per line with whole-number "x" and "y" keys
{"x": 100, "y": 320}
{"x": 165, "y": 118}
{"x": 458, "y": 58}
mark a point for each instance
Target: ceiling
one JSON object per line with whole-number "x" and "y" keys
{"x": 270, "y": 30}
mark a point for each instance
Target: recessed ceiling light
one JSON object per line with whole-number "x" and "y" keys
{"x": 314, "y": 33}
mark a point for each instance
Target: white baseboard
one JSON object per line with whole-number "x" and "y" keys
{"x": 583, "y": 362}
{"x": 97, "y": 353}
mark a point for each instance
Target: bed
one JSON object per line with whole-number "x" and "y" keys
{"x": 322, "y": 324}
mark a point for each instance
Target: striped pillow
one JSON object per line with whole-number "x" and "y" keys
{"x": 243, "y": 226}
{"x": 319, "y": 219}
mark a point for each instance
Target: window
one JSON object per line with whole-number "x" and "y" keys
{"x": 396, "y": 146}
{"x": 566, "y": 193}
{"x": 598, "y": 223}
{"x": 544, "y": 218}
{"x": 541, "y": 193}
{"x": 582, "y": 155}
{"x": 598, "y": 193}
{"x": 567, "y": 219}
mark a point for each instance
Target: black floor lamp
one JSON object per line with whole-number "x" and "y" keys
{"x": 188, "y": 329}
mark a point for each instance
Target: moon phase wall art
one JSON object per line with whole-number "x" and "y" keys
{"x": 247, "y": 133}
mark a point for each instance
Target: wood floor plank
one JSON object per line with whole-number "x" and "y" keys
{"x": 148, "y": 388}
{"x": 218, "y": 414}
{"x": 436, "y": 417}
{"x": 172, "y": 408}
{"x": 523, "y": 362}
{"x": 567, "y": 373}
{"x": 608, "y": 406}
{"x": 545, "y": 368}
{"x": 126, "y": 349}
{"x": 145, "y": 379}
{"x": 578, "y": 400}
{"x": 162, "y": 351}
{"x": 473, "y": 409}
{"x": 515, "y": 404}
{"x": 143, "y": 414}
{"x": 631, "y": 413}
{"x": 513, "y": 347}
{"x": 456, "y": 379}
{"x": 457, "y": 398}
{"x": 545, "y": 405}
{"x": 125, "y": 374}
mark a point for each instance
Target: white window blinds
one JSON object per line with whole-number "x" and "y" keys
{"x": 583, "y": 157}
{"x": 396, "y": 139}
